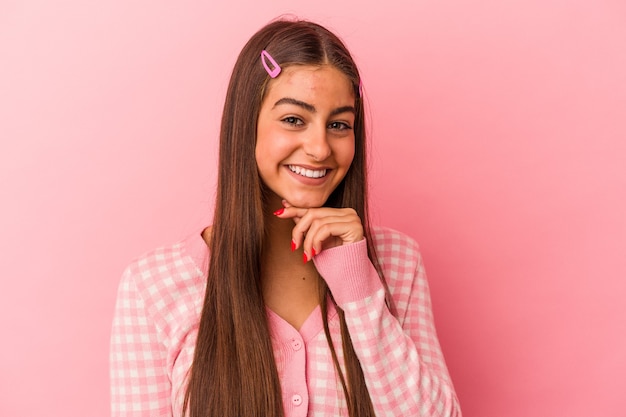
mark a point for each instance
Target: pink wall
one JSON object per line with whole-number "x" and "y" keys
{"x": 499, "y": 143}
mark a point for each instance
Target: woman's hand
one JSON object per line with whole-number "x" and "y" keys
{"x": 321, "y": 228}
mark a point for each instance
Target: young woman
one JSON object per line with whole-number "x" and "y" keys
{"x": 290, "y": 304}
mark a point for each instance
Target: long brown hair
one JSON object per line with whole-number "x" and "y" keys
{"x": 233, "y": 357}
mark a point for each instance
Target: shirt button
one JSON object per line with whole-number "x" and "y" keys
{"x": 296, "y": 400}
{"x": 296, "y": 344}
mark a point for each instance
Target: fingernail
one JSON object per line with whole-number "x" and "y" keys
{"x": 313, "y": 252}
{"x": 304, "y": 257}
{"x": 293, "y": 245}
{"x": 279, "y": 211}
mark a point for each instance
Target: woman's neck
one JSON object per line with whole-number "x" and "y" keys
{"x": 290, "y": 287}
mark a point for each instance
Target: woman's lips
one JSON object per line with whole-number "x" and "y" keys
{"x": 308, "y": 172}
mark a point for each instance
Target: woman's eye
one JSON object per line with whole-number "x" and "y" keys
{"x": 339, "y": 126}
{"x": 294, "y": 121}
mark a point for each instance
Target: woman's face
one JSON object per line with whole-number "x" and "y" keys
{"x": 305, "y": 136}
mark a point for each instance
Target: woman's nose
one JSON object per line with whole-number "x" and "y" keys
{"x": 316, "y": 145}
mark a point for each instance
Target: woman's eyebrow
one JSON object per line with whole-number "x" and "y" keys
{"x": 344, "y": 109}
{"x": 310, "y": 108}
{"x": 288, "y": 100}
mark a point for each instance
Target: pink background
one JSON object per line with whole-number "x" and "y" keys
{"x": 499, "y": 142}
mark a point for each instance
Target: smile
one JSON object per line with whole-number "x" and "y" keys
{"x": 309, "y": 173}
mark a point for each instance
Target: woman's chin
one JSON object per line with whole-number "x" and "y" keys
{"x": 305, "y": 203}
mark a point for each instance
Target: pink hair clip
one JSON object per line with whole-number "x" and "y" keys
{"x": 265, "y": 56}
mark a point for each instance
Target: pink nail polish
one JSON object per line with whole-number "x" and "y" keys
{"x": 293, "y": 246}
{"x": 279, "y": 211}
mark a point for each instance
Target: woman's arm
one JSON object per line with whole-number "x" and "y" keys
{"x": 139, "y": 382}
{"x": 404, "y": 368}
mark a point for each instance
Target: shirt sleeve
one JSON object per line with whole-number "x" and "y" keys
{"x": 140, "y": 385}
{"x": 402, "y": 362}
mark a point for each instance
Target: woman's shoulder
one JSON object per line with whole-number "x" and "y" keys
{"x": 390, "y": 245}
{"x": 398, "y": 256}
{"x": 170, "y": 268}
{"x": 164, "y": 288}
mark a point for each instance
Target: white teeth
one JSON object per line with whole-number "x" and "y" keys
{"x": 309, "y": 173}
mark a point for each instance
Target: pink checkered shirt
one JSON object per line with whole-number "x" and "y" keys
{"x": 158, "y": 309}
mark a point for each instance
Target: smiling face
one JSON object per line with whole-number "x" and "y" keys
{"x": 305, "y": 136}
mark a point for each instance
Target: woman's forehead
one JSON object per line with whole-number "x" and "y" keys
{"x": 308, "y": 82}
